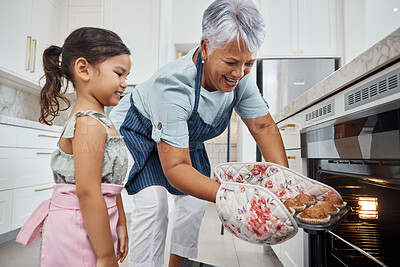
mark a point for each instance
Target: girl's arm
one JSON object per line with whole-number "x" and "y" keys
{"x": 88, "y": 149}
{"x": 122, "y": 231}
{"x": 178, "y": 169}
{"x": 268, "y": 138}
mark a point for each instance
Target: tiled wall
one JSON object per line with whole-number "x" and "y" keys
{"x": 217, "y": 153}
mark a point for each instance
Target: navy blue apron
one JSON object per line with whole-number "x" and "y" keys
{"x": 137, "y": 129}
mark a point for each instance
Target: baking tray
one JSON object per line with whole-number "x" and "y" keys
{"x": 333, "y": 222}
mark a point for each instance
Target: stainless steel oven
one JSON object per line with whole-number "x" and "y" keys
{"x": 359, "y": 155}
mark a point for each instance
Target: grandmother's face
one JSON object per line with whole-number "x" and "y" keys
{"x": 224, "y": 68}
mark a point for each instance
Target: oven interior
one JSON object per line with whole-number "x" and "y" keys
{"x": 366, "y": 171}
{"x": 373, "y": 224}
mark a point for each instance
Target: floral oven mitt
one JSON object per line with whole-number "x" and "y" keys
{"x": 250, "y": 200}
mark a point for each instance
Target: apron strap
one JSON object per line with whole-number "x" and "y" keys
{"x": 197, "y": 85}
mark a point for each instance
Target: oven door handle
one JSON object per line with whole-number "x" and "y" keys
{"x": 357, "y": 248}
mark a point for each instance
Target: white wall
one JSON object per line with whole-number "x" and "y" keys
{"x": 380, "y": 20}
{"x": 354, "y": 29}
{"x": 166, "y": 51}
{"x": 366, "y": 22}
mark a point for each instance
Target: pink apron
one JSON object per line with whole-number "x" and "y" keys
{"x": 65, "y": 241}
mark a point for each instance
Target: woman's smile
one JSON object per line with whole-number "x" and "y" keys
{"x": 224, "y": 68}
{"x": 231, "y": 82}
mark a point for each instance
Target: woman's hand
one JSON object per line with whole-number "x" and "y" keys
{"x": 122, "y": 249}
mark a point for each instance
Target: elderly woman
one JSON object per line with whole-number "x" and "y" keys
{"x": 167, "y": 118}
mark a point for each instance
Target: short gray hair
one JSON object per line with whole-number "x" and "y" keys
{"x": 227, "y": 20}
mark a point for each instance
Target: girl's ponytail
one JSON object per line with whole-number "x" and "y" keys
{"x": 51, "y": 91}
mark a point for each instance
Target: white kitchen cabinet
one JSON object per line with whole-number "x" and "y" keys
{"x": 35, "y": 167}
{"x": 137, "y": 23}
{"x": 44, "y": 29}
{"x": 26, "y": 200}
{"x": 187, "y": 16}
{"x": 291, "y": 252}
{"x": 8, "y": 136}
{"x": 7, "y": 170}
{"x": 295, "y": 161}
{"x": 27, "y": 27}
{"x": 290, "y": 131}
{"x": 5, "y": 211}
{"x": 300, "y": 28}
{"x": 84, "y": 14}
{"x": 35, "y": 138}
{"x": 14, "y": 18}
{"x": 26, "y": 178}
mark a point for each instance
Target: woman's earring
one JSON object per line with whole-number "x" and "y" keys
{"x": 202, "y": 61}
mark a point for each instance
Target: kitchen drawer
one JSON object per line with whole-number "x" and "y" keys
{"x": 26, "y": 200}
{"x": 8, "y": 136}
{"x": 296, "y": 163}
{"x": 290, "y": 141}
{"x": 32, "y": 166}
{"x": 290, "y": 131}
{"x": 34, "y": 138}
{"x": 6, "y": 198}
{"x": 291, "y": 125}
{"x": 7, "y": 167}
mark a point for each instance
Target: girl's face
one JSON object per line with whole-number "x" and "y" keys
{"x": 224, "y": 68}
{"x": 110, "y": 79}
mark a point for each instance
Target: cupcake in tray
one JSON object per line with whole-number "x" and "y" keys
{"x": 294, "y": 204}
{"x": 327, "y": 207}
{"x": 314, "y": 215}
{"x": 291, "y": 210}
{"x": 336, "y": 201}
{"x": 305, "y": 199}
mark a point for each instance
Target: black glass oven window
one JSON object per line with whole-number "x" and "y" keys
{"x": 376, "y": 233}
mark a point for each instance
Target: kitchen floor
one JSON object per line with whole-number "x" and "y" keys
{"x": 214, "y": 249}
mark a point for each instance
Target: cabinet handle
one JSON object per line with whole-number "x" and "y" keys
{"x": 44, "y": 135}
{"x": 301, "y": 51}
{"x": 43, "y": 189}
{"x": 28, "y": 47}
{"x": 34, "y": 57}
{"x": 43, "y": 153}
{"x": 282, "y": 128}
{"x": 291, "y": 157}
{"x": 294, "y": 52}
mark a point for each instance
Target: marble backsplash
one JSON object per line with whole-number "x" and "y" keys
{"x": 20, "y": 102}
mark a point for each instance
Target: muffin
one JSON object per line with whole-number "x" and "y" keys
{"x": 295, "y": 204}
{"x": 291, "y": 210}
{"x": 314, "y": 215}
{"x": 336, "y": 201}
{"x": 327, "y": 207}
{"x": 305, "y": 199}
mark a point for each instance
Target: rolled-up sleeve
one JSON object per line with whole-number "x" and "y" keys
{"x": 170, "y": 109}
{"x": 251, "y": 103}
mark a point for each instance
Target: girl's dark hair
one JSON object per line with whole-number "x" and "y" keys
{"x": 93, "y": 44}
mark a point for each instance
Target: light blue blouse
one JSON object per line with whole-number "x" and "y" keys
{"x": 167, "y": 100}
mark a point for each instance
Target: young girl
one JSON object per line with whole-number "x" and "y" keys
{"x": 85, "y": 220}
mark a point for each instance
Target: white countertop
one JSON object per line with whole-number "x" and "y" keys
{"x": 377, "y": 57}
{"x": 28, "y": 123}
